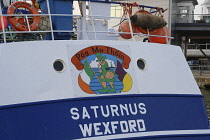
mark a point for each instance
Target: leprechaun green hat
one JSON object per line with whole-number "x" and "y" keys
{"x": 100, "y": 57}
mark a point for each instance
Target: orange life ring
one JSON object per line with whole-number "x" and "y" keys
{"x": 20, "y": 26}
{"x": 125, "y": 27}
{"x": 161, "y": 32}
{"x": 4, "y": 21}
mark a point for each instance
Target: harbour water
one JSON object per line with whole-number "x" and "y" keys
{"x": 206, "y": 93}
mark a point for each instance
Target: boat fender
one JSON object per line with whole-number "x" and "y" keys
{"x": 21, "y": 26}
{"x": 148, "y": 21}
{"x": 138, "y": 29}
{"x": 44, "y": 24}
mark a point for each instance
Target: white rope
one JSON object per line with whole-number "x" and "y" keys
{"x": 130, "y": 26}
{"x": 7, "y": 3}
{"x": 166, "y": 34}
{"x": 50, "y": 18}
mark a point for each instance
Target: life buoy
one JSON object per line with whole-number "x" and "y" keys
{"x": 4, "y": 21}
{"x": 161, "y": 32}
{"x": 124, "y": 27}
{"x": 21, "y": 26}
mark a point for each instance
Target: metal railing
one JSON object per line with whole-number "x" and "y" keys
{"x": 10, "y": 32}
{"x": 205, "y": 46}
{"x": 193, "y": 18}
{"x": 200, "y": 70}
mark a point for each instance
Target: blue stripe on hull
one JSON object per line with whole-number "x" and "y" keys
{"x": 83, "y": 117}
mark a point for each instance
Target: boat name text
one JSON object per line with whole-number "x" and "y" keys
{"x": 109, "y": 111}
{"x": 95, "y": 49}
{"x": 82, "y": 54}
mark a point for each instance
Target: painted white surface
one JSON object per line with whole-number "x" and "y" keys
{"x": 151, "y": 133}
{"x": 167, "y": 71}
{"x": 27, "y": 73}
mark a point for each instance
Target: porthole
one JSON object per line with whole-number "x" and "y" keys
{"x": 59, "y": 65}
{"x": 141, "y": 64}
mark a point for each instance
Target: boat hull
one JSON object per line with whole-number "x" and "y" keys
{"x": 142, "y": 116}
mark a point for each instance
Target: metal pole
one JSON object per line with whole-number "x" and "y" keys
{"x": 151, "y": 7}
{"x": 199, "y": 70}
{"x": 50, "y": 18}
{"x": 92, "y": 21}
{"x": 185, "y": 47}
{"x": 83, "y": 21}
{"x": 29, "y": 29}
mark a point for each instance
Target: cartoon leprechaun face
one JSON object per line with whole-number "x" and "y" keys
{"x": 102, "y": 62}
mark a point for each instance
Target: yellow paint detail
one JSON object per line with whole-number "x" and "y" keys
{"x": 127, "y": 82}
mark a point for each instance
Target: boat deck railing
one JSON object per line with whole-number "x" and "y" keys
{"x": 193, "y": 18}
{"x": 7, "y": 34}
{"x": 204, "y": 46}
